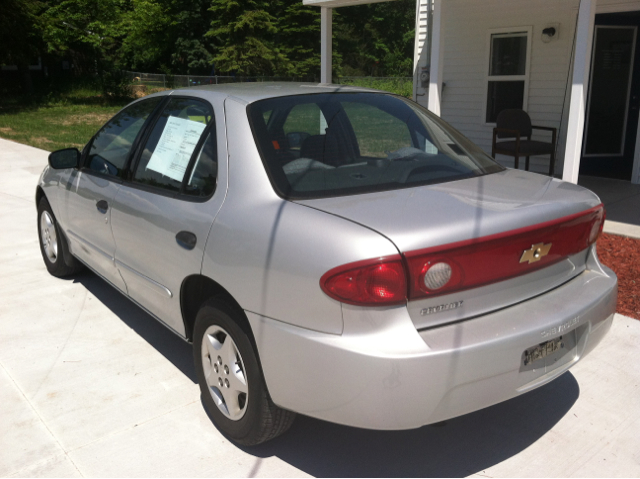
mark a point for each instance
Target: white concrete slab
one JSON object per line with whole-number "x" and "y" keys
{"x": 622, "y": 229}
{"x": 92, "y": 386}
{"x": 621, "y": 199}
{"x": 24, "y": 437}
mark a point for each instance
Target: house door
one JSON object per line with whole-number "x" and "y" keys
{"x": 614, "y": 98}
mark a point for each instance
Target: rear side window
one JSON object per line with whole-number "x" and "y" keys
{"x": 169, "y": 148}
{"x": 333, "y": 144}
{"x": 110, "y": 148}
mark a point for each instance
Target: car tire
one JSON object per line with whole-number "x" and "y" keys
{"x": 53, "y": 246}
{"x": 231, "y": 380}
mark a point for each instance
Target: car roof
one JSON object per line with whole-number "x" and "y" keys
{"x": 254, "y": 91}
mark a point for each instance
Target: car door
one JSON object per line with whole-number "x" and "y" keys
{"x": 161, "y": 217}
{"x": 90, "y": 191}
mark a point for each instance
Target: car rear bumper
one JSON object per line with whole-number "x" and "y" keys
{"x": 382, "y": 373}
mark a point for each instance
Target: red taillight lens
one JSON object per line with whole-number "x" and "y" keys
{"x": 374, "y": 282}
{"x": 598, "y": 225}
{"x": 490, "y": 259}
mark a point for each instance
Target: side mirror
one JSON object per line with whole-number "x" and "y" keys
{"x": 67, "y": 158}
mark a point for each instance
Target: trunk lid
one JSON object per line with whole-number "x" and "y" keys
{"x": 496, "y": 204}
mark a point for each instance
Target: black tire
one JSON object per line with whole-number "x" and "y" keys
{"x": 260, "y": 420}
{"x": 53, "y": 246}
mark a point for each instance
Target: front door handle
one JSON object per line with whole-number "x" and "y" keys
{"x": 186, "y": 239}
{"x": 102, "y": 206}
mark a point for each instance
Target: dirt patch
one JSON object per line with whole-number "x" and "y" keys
{"x": 622, "y": 255}
{"x": 138, "y": 91}
{"x": 6, "y": 129}
{"x": 41, "y": 139}
{"x": 99, "y": 118}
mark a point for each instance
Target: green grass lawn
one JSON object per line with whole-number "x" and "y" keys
{"x": 61, "y": 120}
{"x": 54, "y": 127}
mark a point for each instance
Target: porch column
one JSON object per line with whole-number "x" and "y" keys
{"x": 437, "y": 53}
{"x": 325, "y": 44}
{"x": 579, "y": 86}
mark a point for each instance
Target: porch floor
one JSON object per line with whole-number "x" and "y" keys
{"x": 621, "y": 200}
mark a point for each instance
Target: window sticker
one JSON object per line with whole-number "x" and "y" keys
{"x": 175, "y": 147}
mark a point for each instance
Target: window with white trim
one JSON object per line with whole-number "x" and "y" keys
{"x": 508, "y": 75}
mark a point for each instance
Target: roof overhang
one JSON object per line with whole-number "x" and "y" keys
{"x": 339, "y": 3}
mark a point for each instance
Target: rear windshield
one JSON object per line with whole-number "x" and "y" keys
{"x": 334, "y": 144}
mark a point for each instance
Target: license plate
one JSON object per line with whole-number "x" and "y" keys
{"x": 542, "y": 350}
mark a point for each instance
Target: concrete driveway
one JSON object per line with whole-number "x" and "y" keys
{"x": 92, "y": 386}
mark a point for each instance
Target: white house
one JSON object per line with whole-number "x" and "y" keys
{"x": 570, "y": 64}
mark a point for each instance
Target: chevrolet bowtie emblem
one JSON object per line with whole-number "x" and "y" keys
{"x": 536, "y": 253}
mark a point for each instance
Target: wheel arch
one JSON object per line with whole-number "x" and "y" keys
{"x": 39, "y": 195}
{"x": 195, "y": 291}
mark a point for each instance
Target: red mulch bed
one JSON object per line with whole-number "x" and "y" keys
{"x": 622, "y": 255}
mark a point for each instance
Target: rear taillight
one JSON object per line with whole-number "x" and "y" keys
{"x": 376, "y": 282}
{"x": 490, "y": 259}
{"x": 463, "y": 265}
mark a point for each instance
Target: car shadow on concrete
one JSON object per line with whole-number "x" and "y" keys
{"x": 167, "y": 343}
{"x": 459, "y": 447}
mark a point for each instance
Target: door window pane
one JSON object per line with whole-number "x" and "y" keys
{"x": 111, "y": 146}
{"x": 503, "y": 95}
{"x": 174, "y": 137}
{"x": 202, "y": 182}
{"x": 508, "y": 54}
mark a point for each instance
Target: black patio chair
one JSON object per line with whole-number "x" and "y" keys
{"x": 517, "y": 124}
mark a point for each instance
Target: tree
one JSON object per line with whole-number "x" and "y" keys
{"x": 21, "y": 36}
{"x": 376, "y": 39}
{"x": 243, "y": 33}
{"x": 147, "y": 41}
{"x": 193, "y": 51}
{"x": 94, "y": 27}
{"x": 298, "y": 36}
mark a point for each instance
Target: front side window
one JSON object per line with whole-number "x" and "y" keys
{"x": 171, "y": 143}
{"x": 508, "y": 73}
{"x": 359, "y": 143}
{"x": 111, "y": 146}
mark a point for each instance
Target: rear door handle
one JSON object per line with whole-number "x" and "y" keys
{"x": 186, "y": 239}
{"x": 102, "y": 206}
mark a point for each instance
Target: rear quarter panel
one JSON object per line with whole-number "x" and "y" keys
{"x": 270, "y": 253}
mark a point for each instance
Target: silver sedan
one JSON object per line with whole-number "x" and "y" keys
{"x": 331, "y": 251}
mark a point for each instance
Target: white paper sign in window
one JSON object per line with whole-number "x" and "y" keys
{"x": 175, "y": 147}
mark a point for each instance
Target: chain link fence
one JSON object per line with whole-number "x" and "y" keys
{"x": 399, "y": 85}
{"x": 159, "y": 80}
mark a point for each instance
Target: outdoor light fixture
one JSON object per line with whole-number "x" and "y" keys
{"x": 550, "y": 32}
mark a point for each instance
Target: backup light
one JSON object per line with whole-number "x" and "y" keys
{"x": 436, "y": 276}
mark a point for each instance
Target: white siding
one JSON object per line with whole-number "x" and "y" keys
{"x": 466, "y": 25}
{"x": 421, "y": 49}
{"x": 613, "y": 6}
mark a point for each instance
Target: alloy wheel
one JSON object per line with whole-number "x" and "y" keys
{"x": 224, "y": 372}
